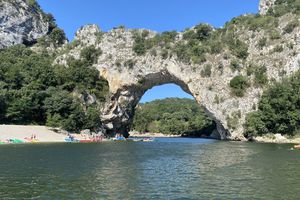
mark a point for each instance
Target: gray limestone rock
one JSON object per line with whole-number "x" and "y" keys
{"x": 20, "y": 22}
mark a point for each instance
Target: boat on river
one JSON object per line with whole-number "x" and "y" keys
{"x": 297, "y": 146}
{"x": 15, "y": 141}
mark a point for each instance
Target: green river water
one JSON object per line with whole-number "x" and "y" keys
{"x": 169, "y": 168}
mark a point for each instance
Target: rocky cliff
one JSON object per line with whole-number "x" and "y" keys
{"x": 225, "y": 70}
{"x": 265, "y": 45}
{"x": 21, "y": 21}
{"x": 265, "y": 5}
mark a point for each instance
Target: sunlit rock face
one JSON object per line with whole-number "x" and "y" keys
{"x": 265, "y": 5}
{"x": 130, "y": 76}
{"x": 20, "y": 23}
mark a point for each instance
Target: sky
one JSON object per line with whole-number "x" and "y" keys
{"x": 158, "y": 15}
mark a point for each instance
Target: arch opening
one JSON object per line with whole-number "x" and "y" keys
{"x": 120, "y": 111}
{"x": 167, "y": 109}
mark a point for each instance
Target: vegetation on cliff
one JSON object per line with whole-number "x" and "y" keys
{"x": 34, "y": 91}
{"x": 172, "y": 116}
{"x": 278, "y": 110}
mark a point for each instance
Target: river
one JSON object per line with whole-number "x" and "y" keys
{"x": 169, "y": 168}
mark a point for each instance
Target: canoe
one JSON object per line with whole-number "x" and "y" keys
{"x": 119, "y": 139}
{"x": 31, "y": 140}
{"x": 148, "y": 139}
{"x": 15, "y": 141}
{"x": 86, "y": 141}
{"x": 67, "y": 139}
{"x": 297, "y": 146}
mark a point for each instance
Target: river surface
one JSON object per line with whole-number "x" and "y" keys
{"x": 169, "y": 168}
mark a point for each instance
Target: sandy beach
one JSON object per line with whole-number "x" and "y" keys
{"x": 43, "y": 133}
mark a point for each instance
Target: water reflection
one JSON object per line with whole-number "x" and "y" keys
{"x": 167, "y": 169}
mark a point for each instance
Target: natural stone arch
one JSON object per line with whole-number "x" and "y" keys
{"x": 129, "y": 74}
{"x": 118, "y": 113}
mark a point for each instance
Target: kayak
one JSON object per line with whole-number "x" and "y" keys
{"x": 297, "y": 146}
{"x": 15, "y": 141}
{"x": 2, "y": 142}
{"x": 68, "y": 139}
{"x": 31, "y": 140}
{"x": 119, "y": 139}
{"x": 148, "y": 139}
{"x": 86, "y": 141}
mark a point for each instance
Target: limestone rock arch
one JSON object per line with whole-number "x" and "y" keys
{"x": 129, "y": 75}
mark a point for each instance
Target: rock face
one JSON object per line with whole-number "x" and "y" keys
{"x": 20, "y": 22}
{"x": 130, "y": 76}
{"x": 265, "y": 5}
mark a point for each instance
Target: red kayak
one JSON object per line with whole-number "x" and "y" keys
{"x": 297, "y": 146}
{"x": 86, "y": 141}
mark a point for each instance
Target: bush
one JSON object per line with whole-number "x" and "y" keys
{"x": 206, "y": 72}
{"x": 238, "y": 85}
{"x": 291, "y": 26}
{"x": 235, "y": 65}
{"x": 33, "y": 91}
{"x": 278, "y": 110}
{"x": 262, "y": 42}
{"x": 90, "y": 54}
{"x": 260, "y": 77}
{"x": 239, "y": 48}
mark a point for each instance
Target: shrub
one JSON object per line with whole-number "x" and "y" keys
{"x": 239, "y": 48}
{"x": 90, "y": 54}
{"x": 238, "y": 85}
{"x": 260, "y": 77}
{"x": 235, "y": 65}
{"x": 278, "y": 48}
{"x": 278, "y": 110}
{"x": 262, "y": 42}
{"x": 129, "y": 63}
{"x": 275, "y": 35}
{"x": 206, "y": 72}
{"x": 203, "y": 31}
{"x": 291, "y": 26}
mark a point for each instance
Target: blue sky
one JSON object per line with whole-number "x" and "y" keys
{"x": 158, "y": 15}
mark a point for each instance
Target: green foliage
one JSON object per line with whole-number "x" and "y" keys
{"x": 278, "y": 48}
{"x": 235, "y": 65}
{"x": 291, "y": 26}
{"x": 278, "y": 110}
{"x": 275, "y": 35}
{"x": 200, "y": 32}
{"x": 260, "y": 76}
{"x": 239, "y": 48}
{"x": 172, "y": 116}
{"x": 57, "y": 36}
{"x": 206, "y": 72}
{"x": 262, "y": 42}
{"x": 283, "y": 7}
{"x": 129, "y": 63}
{"x": 233, "y": 121}
{"x": 33, "y": 91}
{"x": 238, "y": 85}
{"x": 90, "y": 54}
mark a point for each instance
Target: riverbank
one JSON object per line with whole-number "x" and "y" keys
{"x": 20, "y": 132}
{"x": 276, "y": 138}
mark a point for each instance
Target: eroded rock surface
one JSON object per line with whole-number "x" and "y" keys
{"x": 20, "y": 22}
{"x": 130, "y": 75}
{"x": 265, "y": 5}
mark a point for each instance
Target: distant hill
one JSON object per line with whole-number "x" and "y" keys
{"x": 173, "y": 116}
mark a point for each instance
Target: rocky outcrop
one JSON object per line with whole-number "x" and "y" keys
{"x": 265, "y": 5}
{"x": 21, "y": 22}
{"x": 130, "y": 76}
